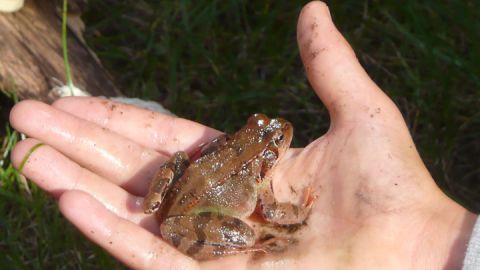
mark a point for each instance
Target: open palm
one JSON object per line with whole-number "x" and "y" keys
{"x": 376, "y": 207}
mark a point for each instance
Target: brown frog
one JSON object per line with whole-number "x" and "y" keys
{"x": 200, "y": 206}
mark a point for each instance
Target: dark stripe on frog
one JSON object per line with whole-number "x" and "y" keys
{"x": 211, "y": 213}
{"x": 295, "y": 210}
{"x": 205, "y": 214}
{"x": 237, "y": 223}
{"x": 195, "y": 248}
{"x": 176, "y": 239}
{"x": 199, "y": 224}
{"x": 230, "y": 229}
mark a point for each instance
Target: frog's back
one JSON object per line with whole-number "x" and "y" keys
{"x": 209, "y": 172}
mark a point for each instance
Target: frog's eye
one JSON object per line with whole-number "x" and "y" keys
{"x": 277, "y": 141}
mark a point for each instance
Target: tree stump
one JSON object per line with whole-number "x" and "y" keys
{"x": 31, "y": 58}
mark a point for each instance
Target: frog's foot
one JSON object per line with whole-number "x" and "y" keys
{"x": 284, "y": 213}
{"x": 309, "y": 198}
{"x": 163, "y": 179}
{"x": 209, "y": 235}
{"x": 277, "y": 243}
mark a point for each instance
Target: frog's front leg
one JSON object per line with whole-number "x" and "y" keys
{"x": 168, "y": 173}
{"x": 208, "y": 235}
{"x": 283, "y": 213}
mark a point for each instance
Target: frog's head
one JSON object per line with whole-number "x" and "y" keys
{"x": 277, "y": 130}
{"x": 282, "y": 135}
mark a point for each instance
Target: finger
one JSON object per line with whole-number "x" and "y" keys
{"x": 164, "y": 133}
{"x": 131, "y": 244}
{"x": 332, "y": 68}
{"x": 98, "y": 149}
{"x": 55, "y": 173}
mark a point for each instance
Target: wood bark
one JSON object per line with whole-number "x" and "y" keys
{"x": 31, "y": 58}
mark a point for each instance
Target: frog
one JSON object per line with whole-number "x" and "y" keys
{"x": 202, "y": 202}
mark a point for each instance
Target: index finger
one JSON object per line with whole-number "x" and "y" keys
{"x": 105, "y": 152}
{"x": 164, "y": 133}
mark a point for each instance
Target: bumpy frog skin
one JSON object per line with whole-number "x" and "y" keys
{"x": 200, "y": 206}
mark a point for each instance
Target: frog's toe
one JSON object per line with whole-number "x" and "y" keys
{"x": 309, "y": 198}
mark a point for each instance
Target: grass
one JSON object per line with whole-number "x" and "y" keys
{"x": 240, "y": 57}
{"x": 33, "y": 233}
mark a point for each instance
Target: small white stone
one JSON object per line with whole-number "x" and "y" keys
{"x": 10, "y": 5}
{"x": 66, "y": 91}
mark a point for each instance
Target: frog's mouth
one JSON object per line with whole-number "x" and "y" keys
{"x": 283, "y": 137}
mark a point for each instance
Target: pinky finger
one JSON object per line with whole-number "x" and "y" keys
{"x": 128, "y": 242}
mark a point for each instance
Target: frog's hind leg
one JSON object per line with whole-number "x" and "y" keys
{"x": 168, "y": 173}
{"x": 209, "y": 235}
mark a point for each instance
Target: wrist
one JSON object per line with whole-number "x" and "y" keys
{"x": 445, "y": 236}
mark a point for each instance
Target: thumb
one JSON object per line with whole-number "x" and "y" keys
{"x": 333, "y": 69}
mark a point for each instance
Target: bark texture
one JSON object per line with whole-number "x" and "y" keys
{"x": 31, "y": 59}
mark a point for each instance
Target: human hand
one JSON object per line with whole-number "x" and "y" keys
{"x": 377, "y": 205}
